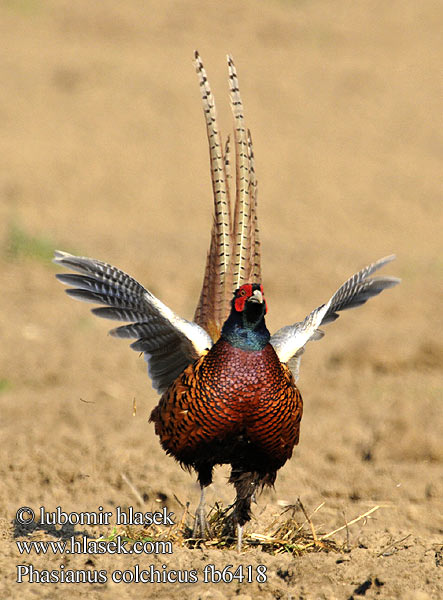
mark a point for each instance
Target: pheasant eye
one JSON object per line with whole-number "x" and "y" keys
{"x": 242, "y": 293}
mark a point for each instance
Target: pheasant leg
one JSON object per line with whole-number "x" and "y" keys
{"x": 200, "y": 524}
{"x": 239, "y": 537}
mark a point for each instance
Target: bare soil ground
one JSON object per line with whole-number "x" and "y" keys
{"x": 104, "y": 153}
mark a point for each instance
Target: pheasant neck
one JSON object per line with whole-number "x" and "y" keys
{"x": 245, "y": 334}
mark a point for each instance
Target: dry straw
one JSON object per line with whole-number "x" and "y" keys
{"x": 287, "y": 533}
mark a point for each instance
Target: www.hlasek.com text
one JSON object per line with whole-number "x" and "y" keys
{"x": 85, "y": 545}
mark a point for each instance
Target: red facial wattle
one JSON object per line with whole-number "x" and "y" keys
{"x": 243, "y": 293}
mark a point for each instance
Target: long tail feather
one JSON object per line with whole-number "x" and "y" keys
{"x": 234, "y": 253}
{"x": 255, "y": 260}
{"x": 242, "y": 211}
{"x": 227, "y": 158}
{"x": 210, "y": 311}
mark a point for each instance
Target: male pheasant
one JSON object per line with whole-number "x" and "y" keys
{"x": 228, "y": 387}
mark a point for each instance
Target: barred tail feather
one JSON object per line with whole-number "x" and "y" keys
{"x": 210, "y": 310}
{"x": 234, "y": 253}
{"x": 255, "y": 260}
{"x": 242, "y": 210}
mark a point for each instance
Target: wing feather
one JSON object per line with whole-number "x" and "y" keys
{"x": 168, "y": 342}
{"x": 289, "y": 341}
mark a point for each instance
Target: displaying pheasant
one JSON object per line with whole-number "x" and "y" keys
{"x": 228, "y": 386}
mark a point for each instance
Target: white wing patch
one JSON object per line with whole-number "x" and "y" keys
{"x": 168, "y": 342}
{"x": 289, "y": 342}
{"x": 200, "y": 339}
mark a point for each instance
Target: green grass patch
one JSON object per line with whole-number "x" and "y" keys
{"x": 21, "y": 244}
{"x": 5, "y": 384}
{"x": 29, "y": 7}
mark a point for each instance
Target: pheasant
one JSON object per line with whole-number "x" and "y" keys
{"x": 228, "y": 388}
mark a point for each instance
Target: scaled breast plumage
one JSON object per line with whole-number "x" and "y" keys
{"x": 230, "y": 391}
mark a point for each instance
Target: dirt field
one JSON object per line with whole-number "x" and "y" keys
{"x": 104, "y": 153}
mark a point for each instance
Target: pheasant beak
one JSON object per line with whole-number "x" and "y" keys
{"x": 257, "y": 296}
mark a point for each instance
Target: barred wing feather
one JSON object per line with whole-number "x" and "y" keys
{"x": 168, "y": 342}
{"x": 289, "y": 342}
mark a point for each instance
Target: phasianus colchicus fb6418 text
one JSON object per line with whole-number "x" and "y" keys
{"x": 228, "y": 387}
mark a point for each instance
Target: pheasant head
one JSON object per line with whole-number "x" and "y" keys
{"x": 245, "y": 328}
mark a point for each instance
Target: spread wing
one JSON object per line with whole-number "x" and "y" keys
{"x": 169, "y": 343}
{"x": 289, "y": 342}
